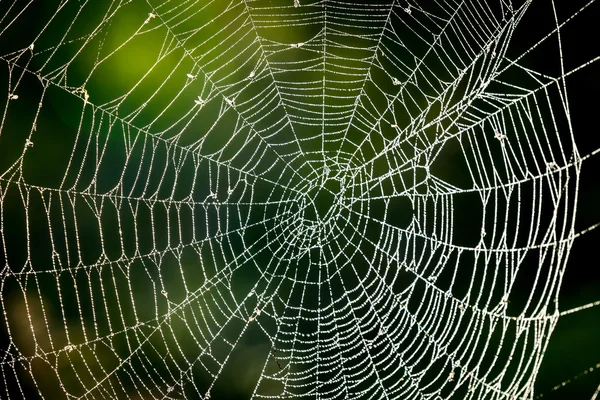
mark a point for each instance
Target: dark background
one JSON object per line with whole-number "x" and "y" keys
{"x": 574, "y": 347}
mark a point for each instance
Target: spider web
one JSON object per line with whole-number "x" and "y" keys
{"x": 282, "y": 199}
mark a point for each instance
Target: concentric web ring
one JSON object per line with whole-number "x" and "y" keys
{"x": 282, "y": 199}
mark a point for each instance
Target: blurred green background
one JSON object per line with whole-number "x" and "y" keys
{"x": 63, "y": 127}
